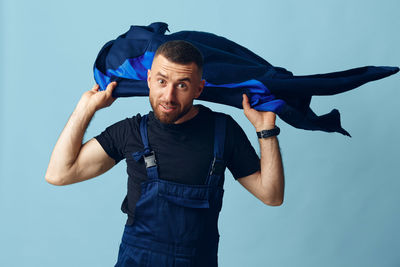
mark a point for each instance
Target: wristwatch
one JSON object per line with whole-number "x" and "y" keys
{"x": 268, "y": 133}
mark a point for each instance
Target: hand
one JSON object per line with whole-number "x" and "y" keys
{"x": 261, "y": 120}
{"x": 95, "y": 99}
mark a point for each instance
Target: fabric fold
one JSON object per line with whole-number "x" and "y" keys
{"x": 229, "y": 71}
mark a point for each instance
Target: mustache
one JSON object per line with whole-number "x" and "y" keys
{"x": 168, "y": 103}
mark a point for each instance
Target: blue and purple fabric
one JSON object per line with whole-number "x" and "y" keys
{"x": 229, "y": 71}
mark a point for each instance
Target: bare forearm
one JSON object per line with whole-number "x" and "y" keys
{"x": 267, "y": 184}
{"x": 69, "y": 143}
{"x": 272, "y": 176}
{"x": 72, "y": 162}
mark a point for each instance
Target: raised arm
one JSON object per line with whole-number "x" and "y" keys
{"x": 72, "y": 162}
{"x": 268, "y": 184}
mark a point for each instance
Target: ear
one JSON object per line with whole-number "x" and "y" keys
{"x": 148, "y": 77}
{"x": 200, "y": 88}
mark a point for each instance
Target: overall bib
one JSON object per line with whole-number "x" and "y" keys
{"x": 175, "y": 224}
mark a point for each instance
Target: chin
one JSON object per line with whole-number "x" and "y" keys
{"x": 171, "y": 117}
{"x": 166, "y": 118}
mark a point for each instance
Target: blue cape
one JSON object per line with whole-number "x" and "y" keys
{"x": 229, "y": 71}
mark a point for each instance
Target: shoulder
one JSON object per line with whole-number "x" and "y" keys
{"x": 207, "y": 112}
{"x": 233, "y": 129}
{"x": 131, "y": 121}
{"x": 124, "y": 126}
{"x": 230, "y": 122}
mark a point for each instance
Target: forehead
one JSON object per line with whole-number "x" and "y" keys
{"x": 171, "y": 69}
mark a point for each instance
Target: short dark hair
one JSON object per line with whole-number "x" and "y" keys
{"x": 181, "y": 52}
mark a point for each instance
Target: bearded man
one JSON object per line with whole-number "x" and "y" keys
{"x": 176, "y": 157}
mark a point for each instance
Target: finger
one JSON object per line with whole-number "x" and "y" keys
{"x": 245, "y": 102}
{"x": 95, "y": 87}
{"x": 110, "y": 87}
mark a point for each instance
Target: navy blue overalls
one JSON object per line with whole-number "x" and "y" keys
{"x": 175, "y": 224}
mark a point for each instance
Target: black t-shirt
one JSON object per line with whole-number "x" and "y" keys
{"x": 183, "y": 151}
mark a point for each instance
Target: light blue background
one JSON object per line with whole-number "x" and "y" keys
{"x": 342, "y": 194}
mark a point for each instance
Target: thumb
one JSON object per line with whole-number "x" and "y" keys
{"x": 245, "y": 102}
{"x": 110, "y": 88}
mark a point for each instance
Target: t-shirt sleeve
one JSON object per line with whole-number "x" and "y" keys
{"x": 113, "y": 140}
{"x": 243, "y": 159}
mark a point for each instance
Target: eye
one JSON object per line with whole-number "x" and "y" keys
{"x": 182, "y": 86}
{"x": 161, "y": 81}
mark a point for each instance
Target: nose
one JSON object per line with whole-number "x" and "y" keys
{"x": 169, "y": 93}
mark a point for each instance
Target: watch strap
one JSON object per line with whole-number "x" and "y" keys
{"x": 268, "y": 133}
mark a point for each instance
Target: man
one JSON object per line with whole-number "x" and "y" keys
{"x": 176, "y": 157}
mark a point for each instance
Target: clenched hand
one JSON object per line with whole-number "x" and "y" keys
{"x": 261, "y": 120}
{"x": 95, "y": 99}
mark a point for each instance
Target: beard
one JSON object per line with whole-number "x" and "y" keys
{"x": 168, "y": 118}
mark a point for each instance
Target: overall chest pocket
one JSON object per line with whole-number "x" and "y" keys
{"x": 185, "y": 211}
{"x": 186, "y": 202}
{"x": 184, "y": 218}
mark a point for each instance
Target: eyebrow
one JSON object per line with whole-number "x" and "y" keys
{"x": 180, "y": 80}
{"x": 162, "y": 75}
{"x": 184, "y": 79}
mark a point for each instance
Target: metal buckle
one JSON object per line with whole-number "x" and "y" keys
{"x": 150, "y": 160}
{"x": 217, "y": 167}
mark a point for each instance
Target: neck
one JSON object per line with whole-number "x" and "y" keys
{"x": 189, "y": 115}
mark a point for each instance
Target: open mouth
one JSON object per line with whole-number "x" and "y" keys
{"x": 167, "y": 108}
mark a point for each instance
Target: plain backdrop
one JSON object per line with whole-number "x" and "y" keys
{"x": 342, "y": 194}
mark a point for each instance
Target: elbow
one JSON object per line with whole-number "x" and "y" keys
{"x": 59, "y": 177}
{"x": 273, "y": 199}
{"x": 274, "y": 195}
{"x": 274, "y": 203}
{"x": 55, "y": 179}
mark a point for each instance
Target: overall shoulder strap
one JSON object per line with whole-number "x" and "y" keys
{"x": 147, "y": 153}
{"x": 218, "y": 164}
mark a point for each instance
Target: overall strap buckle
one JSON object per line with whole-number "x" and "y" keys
{"x": 217, "y": 166}
{"x": 150, "y": 160}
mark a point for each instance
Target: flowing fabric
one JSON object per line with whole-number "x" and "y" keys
{"x": 229, "y": 71}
